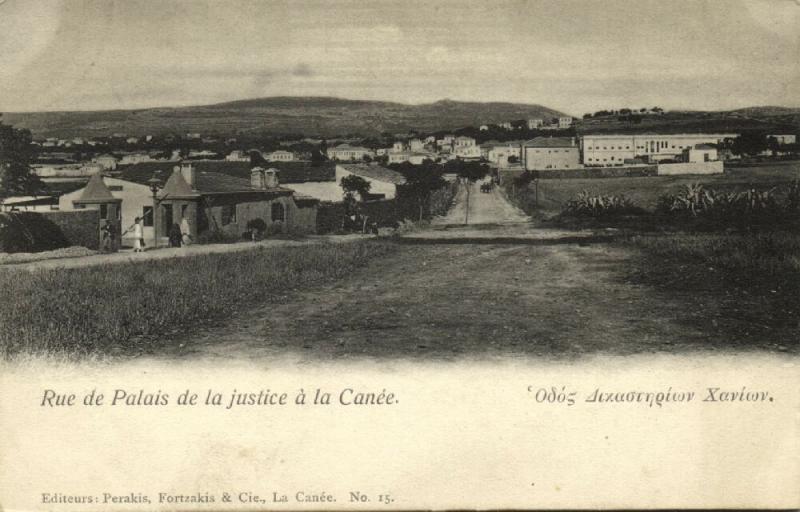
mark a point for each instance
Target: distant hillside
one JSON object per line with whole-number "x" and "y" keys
{"x": 310, "y": 116}
{"x": 770, "y": 119}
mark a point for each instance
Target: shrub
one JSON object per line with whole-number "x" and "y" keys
{"x": 29, "y": 232}
{"x": 596, "y": 205}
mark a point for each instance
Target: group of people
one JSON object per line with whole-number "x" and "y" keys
{"x": 179, "y": 234}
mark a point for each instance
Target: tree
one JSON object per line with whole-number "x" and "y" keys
{"x": 421, "y": 181}
{"x": 353, "y": 184}
{"x": 16, "y": 154}
{"x": 749, "y": 144}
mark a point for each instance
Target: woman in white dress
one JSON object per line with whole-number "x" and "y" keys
{"x": 138, "y": 236}
{"x": 186, "y": 231}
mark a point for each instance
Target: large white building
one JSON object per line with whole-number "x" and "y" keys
{"x": 614, "y": 150}
{"x": 347, "y": 152}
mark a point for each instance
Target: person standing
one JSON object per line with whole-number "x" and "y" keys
{"x": 138, "y": 235}
{"x": 186, "y": 231}
{"x": 175, "y": 235}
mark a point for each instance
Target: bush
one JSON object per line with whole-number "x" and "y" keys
{"x": 596, "y": 205}
{"x": 29, "y": 232}
{"x": 216, "y": 237}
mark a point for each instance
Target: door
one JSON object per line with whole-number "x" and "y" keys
{"x": 167, "y": 222}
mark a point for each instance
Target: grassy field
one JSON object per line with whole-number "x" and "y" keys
{"x": 753, "y": 278}
{"x": 125, "y": 307}
{"x": 645, "y": 191}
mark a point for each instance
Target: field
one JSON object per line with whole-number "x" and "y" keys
{"x": 125, "y": 307}
{"x": 644, "y": 192}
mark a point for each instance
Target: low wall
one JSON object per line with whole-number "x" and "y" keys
{"x": 80, "y": 227}
{"x": 507, "y": 176}
{"x": 690, "y": 168}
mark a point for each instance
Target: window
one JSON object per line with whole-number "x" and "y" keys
{"x": 103, "y": 211}
{"x": 278, "y": 212}
{"x": 183, "y": 210}
{"x": 147, "y": 216}
{"x": 228, "y": 214}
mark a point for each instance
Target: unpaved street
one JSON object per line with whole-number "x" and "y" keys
{"x": 484, "y": 208}
{"x": 493, "y": 291}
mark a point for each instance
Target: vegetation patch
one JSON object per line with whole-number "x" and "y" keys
{"x": 753, "y": 279}
{"x": 125, "y": 308}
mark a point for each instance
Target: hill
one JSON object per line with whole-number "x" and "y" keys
{"x": 769, "y": 119}
{"x": 311, "y": 116}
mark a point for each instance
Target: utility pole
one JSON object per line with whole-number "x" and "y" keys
{"x": 466, "y": 210}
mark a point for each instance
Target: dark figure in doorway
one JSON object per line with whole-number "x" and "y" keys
{"x": 175, "y": 236}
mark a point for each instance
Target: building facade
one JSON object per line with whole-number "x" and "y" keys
{"x": 544, "y": 153}
{"x": 614, "y": 150}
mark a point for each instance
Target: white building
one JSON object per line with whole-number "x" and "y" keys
{"x": 108, "y": 162}
{"x": 564, "y": 122}
{"x": 499, "y": 154}
{"x": 544, "y": 153}
{"x": 382, "y": 180}
{"x": 347, "y": 152}
{"x": 238, "y": 156}
{"x": 135, "y": 158}
{"x": 700, "y": 153}
{"x": 463, "y": 141}
{"x": 784, "y": 139}
{"x": 535, "y": 123}
{"x": 614, "y": 150}
{"x": 281, "y": 156}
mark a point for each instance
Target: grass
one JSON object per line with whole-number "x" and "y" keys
{"x": 123, "y": 308}
{"x": 752, "y": 279}
{"x": 644, "y": 192}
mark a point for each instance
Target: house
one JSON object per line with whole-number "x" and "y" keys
{"x": 382, "y": 181}
{"x": 467, "y": 152}
{"x": 483, "y": 127}
{"x": 564, "y": 122}
{"x": 348, "y": 152}
{"x": 281, "y": 156}
{"x": 700, "y": 153}
{"x": 506, "y": 126}
{"x": 551, "y": 153}
{"x": 463, "y": 141}
{"x": 106, "y": 160}
{"x": 500, "y": 153}
{"x": 784, "y": 139}
{"x": 535, "y": 123}
{"x": 135, "y": 158}
{"x": 237, "y": 156}
{"x": 416, "y": 145}
{"x": 210, "y": 201}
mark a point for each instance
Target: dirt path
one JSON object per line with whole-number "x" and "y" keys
{"x": 464, "y": 300}
{"x": 484, "y": 208}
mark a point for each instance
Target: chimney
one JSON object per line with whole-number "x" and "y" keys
{"x": 189, "y": 174}
{"x": 257, "y": 178}
{"x": 271, "y": 178}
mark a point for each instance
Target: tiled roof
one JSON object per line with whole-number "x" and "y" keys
{"x": 96, "y": 191}
{"x": 375, "y": 172}
{"x": 550, "y": 142}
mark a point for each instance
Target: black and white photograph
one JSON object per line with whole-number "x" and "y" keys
{"x": 531, "y": 254}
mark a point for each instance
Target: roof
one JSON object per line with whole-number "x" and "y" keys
{"x": 176, "y": 186}
{"x": 96, "y": 191}
{"x": 349, "y": 147}
{"x": 551, "y": 142}
{"x": 376, "y": 172}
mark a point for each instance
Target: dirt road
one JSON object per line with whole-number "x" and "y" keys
{"x": 481, "y": 208}
{"x": 503, "y": 290}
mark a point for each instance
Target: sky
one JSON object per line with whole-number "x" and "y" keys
{"x": 575, "y": 56}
